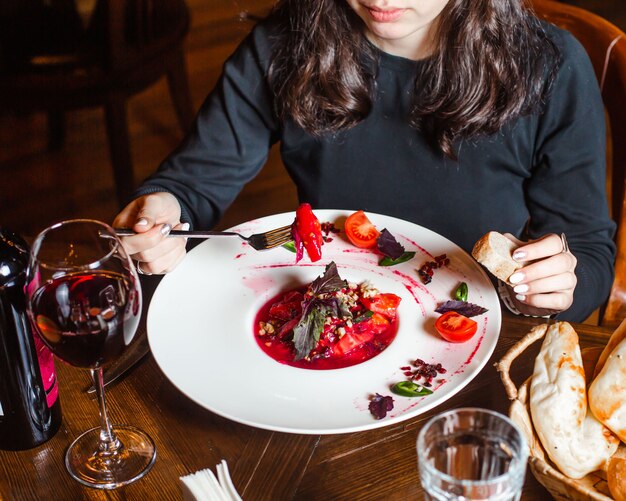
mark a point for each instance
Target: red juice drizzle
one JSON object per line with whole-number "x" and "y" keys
{"x": 412, "y": 284}
{"x": 475, "y": 350}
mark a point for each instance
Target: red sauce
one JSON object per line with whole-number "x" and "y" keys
{"x": 328, "y": 355}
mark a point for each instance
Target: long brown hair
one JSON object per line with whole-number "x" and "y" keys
{"x": 489, "y": 68}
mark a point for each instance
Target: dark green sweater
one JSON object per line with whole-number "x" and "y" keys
{"x": 544, "y": 173}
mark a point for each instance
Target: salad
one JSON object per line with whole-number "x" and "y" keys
{"x": 329, "y": 324}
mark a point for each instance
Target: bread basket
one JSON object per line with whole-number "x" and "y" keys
{"x": 591, "y": 487}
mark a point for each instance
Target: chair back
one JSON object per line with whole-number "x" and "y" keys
{"x": 606, "y": 45}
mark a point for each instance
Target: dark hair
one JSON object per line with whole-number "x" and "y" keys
{"x": 490, "y": 66}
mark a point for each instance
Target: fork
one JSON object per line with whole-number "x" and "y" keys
{"x": 258, "y": 241}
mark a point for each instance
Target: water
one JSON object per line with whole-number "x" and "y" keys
{"x": 472, "y": 458}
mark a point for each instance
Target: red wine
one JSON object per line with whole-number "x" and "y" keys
{"x": 87, "y": 320}
{"x": 30, "y": 409}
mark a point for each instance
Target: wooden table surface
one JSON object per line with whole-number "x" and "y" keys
{"x": 265, "y": 465}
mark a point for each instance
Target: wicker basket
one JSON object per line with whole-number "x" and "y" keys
{"x": 591, "y": 487}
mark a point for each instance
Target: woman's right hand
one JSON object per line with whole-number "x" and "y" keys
{"x": 152, "y": 217}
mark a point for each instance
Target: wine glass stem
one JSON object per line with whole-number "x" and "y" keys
{"x": 109, "y": 445}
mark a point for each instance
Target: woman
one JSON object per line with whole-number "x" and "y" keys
{"x": 463, "y": 116}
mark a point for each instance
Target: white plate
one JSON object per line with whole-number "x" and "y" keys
{"x": 201, "y": 329}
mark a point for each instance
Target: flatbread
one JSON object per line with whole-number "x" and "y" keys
{"x": 573, "y": 438}
{"x": 607, "y": 393}
{"x": 618, "y": 335}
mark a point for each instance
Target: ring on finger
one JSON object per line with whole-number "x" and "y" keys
{"x": 564, "y": 243}
{"x": 140, "y": 270}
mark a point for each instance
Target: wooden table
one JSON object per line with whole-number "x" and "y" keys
{"x": 265, "y": 465}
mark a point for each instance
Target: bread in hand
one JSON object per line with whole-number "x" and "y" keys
{"x": 573, "y": 438}
{"x": 494, "y": 251}
{"x": 607, "y": 392}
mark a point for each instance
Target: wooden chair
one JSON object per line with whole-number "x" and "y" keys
{"x": 606, "y": 46}
{"x": 58, "y": 55}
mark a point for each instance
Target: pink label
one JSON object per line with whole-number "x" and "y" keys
{"x": 48, "y": 373}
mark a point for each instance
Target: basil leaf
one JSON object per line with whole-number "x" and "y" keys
{"x": 388, "y": 245}
{"x": 380, "y": 405}
{"x": 290, "y": 246}
{"x": 387, "y": 261}
{"x": 361, "y": 318}
{"x": 307, "y": 332}
{"x": 462, "y": 308}
{"x": 462, "y": 292}
{"x": 329, "y": 282}
{"x": 410, "y": 389}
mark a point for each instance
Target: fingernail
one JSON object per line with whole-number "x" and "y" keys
{"x": 520, "y": 297}
{"x": 185, "y": 226}
{"x": 165, "y": 229}
{"x": 519, "y": 255}
{"x": 142, "y": 222}
{"x": 521, "y": 288}
{"x": 516, "y": 278}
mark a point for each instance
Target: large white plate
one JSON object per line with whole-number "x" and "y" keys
{"x": 201, "y": 329}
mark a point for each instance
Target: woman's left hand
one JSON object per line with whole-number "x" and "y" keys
{"x": 545, "y": 285}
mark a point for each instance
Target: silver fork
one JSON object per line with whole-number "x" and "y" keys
{"x": 259, "y": 241}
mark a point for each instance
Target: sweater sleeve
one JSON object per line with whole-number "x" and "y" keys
{"x": 567, "y": 190}
{"x": 229, "y": 142}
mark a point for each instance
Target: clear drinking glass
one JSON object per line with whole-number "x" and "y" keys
{"x": 471, "y": 454}
{"x": 84, "y": 299}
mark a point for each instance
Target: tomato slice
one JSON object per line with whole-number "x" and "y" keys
{"x": 288, "y": 308}
{"x": 360, "y": 230}
{"x": 386, "y": 304}
{"x": 363, "y": 332}
{"x": 455, "y": 328}
{"x": 310, "y": 231}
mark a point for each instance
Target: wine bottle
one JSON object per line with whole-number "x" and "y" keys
{"x": 30, "y": 409}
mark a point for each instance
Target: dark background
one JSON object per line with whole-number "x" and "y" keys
{"x": 39, "y": 186}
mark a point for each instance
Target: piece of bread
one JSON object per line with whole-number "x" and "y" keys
{"x": 607, "y": 392}
{"x": 573, "y": 438}
{"x": 616, "y": 338}
{"x": 616, "y": 475}
{"x": 494, "y": 251}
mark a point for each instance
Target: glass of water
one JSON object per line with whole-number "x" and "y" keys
{"x": 471, "y": 454}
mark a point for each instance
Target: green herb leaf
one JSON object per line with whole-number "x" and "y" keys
{"x": 361, "y": 318}
{"x": 410, "y": 389}
{"x": 387, "y": 261}
{"x": 461, "y": 292}
{"x": 290, "y": 246}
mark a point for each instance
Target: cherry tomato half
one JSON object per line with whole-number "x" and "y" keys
{"x": 360, "y": 230}
{"x": 310, "y": 231}
{"x": 455, "y": 328}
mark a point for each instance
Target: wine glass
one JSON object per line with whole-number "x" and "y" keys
{"x": 84, "y": 299}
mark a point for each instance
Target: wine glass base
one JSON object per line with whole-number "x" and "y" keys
{"x": 100, "y": 471}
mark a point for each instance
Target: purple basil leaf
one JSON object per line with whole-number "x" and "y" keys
{"x": 461, "y": 307}
{"x": 379, "y": 406}
{"x": 388, "y": 245}
{"x": 309, "y": 329}
{"x": 307, "y": 332}
{"x": 336, "y": 307}
{"x": 329, "y": 282}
